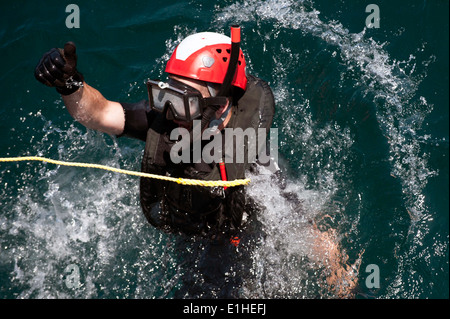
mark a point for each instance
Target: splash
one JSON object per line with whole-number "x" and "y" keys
{"x": 66, "y": 218}
{"x": 391, "y": 84}
{"x": 294, "y": 258}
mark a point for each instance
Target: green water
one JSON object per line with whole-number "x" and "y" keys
{"x": 363, "y": 137}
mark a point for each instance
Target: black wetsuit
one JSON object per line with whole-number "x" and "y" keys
{"x": 194, "y": 209}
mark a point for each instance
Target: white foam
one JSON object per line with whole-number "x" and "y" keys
{"x": 394, "y": 82}
{"x": 93, "y": 220}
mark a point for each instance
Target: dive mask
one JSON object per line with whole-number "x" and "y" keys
{"x": 182, "y": 102}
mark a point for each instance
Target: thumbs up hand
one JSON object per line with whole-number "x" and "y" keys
{"x": 58, "y": 68}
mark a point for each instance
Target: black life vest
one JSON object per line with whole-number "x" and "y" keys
{"x": 196, "y": 209}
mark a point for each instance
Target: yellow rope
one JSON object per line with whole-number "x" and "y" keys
{"x": 182, "y": 181}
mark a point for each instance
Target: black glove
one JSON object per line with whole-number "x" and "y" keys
{"x": 58, "y": 68}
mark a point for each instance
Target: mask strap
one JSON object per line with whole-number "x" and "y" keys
{"x": 212, "y": 105}
{"x": 216, "y": 101}
{"x": 214, "y": 124}
{"x": 212, "y": 88}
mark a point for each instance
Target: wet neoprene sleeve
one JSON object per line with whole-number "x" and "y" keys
{"x": 138, "y": 117}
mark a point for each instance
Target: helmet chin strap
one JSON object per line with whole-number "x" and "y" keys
{"x": 215, "y": 123}
{"x": 215, "y": 102}
{"x": 223, "y": 96}
{"x": 213, "y": 88}
{"x": 213, "y": 105}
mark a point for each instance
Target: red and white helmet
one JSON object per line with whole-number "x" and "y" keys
{"x": 205, "y": 56}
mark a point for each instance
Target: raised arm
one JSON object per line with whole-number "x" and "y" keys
{"x": 57, "y": 68}
{"x": 90, "y": 108}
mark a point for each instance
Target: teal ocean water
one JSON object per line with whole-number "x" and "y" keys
{"x": 362, "y": 115}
